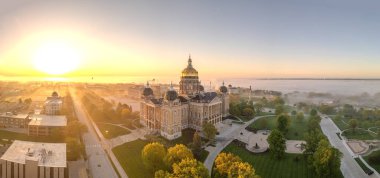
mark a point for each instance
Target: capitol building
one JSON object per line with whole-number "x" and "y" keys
{"x": 189, "y": 107}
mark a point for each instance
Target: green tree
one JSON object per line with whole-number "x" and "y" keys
{"x": 209, "y": 130}
{"x": 74, "y": 148}
{"x": 279, "y": 109}
{"x": 313, "y": 123}
{"x": 326, "y": 160}
{"x": 189, "y": 168}
{"x": 353, "y": 123}
{"x": 278, "y": 101}
{"x": 197, "y": 144}
{"x": 126, "y": 113}
{"x": 176, "y": 153}
{"x": 283, "y": 122}
{"x": 277, "y": 144}
{"x": 294, "y": 113}
{"x": 300, "y": 116}
{"x": 248, "y": 112}
{"x": 75, "y": 129}
{"x": 153, "y": 155}
{"x": 313, "y": 112}
{"x": 162, "y": 174}
{"x": 312, "y": 138}
{"x": 259, "y": 108}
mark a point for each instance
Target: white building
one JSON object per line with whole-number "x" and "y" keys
{"x": 42, "y": 125}
{"x": 190, "y": 109}
{"x": 34, "y": 160}
{"x": 12, "y": 120}
{"x": 53, "y": 104}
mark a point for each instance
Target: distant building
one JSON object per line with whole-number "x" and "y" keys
{"x": 12, "y": 120}
{"x": 53, "y": 104}
{"x": 173, "y": 113}
{"x": 34, "y": 160}
{"x": 233, "y": 90}
{"x": 42, "y": 125}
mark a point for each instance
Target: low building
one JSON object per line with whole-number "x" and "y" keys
{"x": 34, "y": 160}
{"x": 53, "y": 104}
{"x": 12, "y": 120}
{"x": 42, "y": 125}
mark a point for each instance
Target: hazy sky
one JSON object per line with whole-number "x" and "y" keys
{"x": 285, "y": 38}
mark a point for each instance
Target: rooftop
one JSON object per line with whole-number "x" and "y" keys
{"x": 11, "y": 115}
{"x": 47, "y": 154}
{"x": 57, "y": 100}
{"x": 48, "y": 120}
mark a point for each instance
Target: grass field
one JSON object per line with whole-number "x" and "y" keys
{"x": 296, "y": 130}
{"x": 111, "y": 131}
{"x": 359, "y": 134}
{"x": 266, "y": 167}
{"x": 129, "y": 156}
{"x": 375, "y": 166}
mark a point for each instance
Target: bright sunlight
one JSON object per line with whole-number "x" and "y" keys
{"x": 56, "y": 58}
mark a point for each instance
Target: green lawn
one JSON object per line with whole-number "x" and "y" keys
{"x": 375, "y": 166}
{"x": 129, "y": 156}
{"x": 359, "y": 134}
{"x": 111, "y": 131}
{"x": 266, "y": 167}
{"x": 362, "y": 165}
{"x": 296, "y": 129}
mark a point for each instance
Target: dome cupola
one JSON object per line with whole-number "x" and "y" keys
{"x": 147, "y": 90}
{"x": 54, "y": 94}
{"x": 223, "y": 88}
{"x": 171, "y": 94}
{"x": 189, "y": 71}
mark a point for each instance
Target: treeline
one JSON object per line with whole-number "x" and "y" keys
{"x": 101, "y": 110}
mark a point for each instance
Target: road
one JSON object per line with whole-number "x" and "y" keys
{"x": 349, "y": 167}
{"x": 98, "y": 163}
{"x": 222, "y": 142}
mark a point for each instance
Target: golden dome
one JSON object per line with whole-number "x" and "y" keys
{"x": 189, "y": 71}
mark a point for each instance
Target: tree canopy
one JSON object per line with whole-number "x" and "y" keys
{"x": 277, "y": 144}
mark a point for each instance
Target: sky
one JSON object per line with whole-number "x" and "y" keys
{"x": 226, "y": 39}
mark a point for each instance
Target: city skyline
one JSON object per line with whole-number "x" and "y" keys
{"x": 248, "y": 39}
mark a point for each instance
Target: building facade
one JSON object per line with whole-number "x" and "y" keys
{"x": 43, "y": 125}
{"x": 189, "y": 109}
{"x": 11, "y": 120}
{"x": 53, "y": 104}
{"x": 34, "y": 160}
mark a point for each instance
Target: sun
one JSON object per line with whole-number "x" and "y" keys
{"x": 56, "y": 58}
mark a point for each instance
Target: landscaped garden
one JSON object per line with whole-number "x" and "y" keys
{"x": 292, "y": 166}
{"x": 373, "y": 160}
{"x": 129, "y": 154}
{"x": 296, "y": 130}
{"x": 360, "y": 133}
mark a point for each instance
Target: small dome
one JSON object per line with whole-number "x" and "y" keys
{"x": 147, "y": 90}
{"x": 201, "y": 88}
{"x": 171, "y": 94}
{"x": 223, "y": 88}
{"x": 54, "y": 94}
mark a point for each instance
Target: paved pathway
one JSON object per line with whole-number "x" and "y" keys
{"x": 223, "y": 141}
{"x": 99, "y": 164}
{"x": 349, "y": 167}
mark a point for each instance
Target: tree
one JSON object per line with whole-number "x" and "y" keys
{"x": 197, "y": 144}
{"x": 279, "y": 109}
{"x": 125, "y": 113}
{"x": 277, "y": 144}
{"x": 353, "y": 124}
{"x": 248, "y": 112}
{"x": 294, "y": 113}
{"x": 190, "y": 167}
{"x": 153, "y": 155}
{"x": 313, "y": 112}
{"x": 312, "y": 139}
{"x": 300, "y": 116}
{"x": 223, "y": 163}
{"x": 28, "y": 101}
{"x": 242, "y": 169}
{"x": 313, "y": 122}
{"x": 20, "y": 101}
{"x": 259, "y": 108}
{"x": 162, "y": 174}
{"x": 326, "y": 160}
{"x": 209, "y": 130}
{"x": 75, "y": 129}
{"x": 74, "y": 148}
{"x": 283, "y": 123}
{"x": 278, "y": 101}
{"x": 177, "y": 153}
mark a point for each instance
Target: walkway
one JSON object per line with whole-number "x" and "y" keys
{"x": 225, "y": 139}
{"x": 349, "y": 167}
